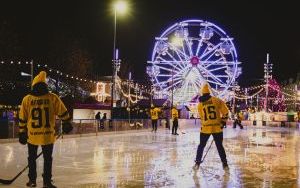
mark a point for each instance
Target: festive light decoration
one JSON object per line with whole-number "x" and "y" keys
{"x": 182, "y": 60}
{"x": 245, "y": 97}
{"x": 276, "y": 98}
{"x": 131, "y": 86}
{"x": 56, "y": 71}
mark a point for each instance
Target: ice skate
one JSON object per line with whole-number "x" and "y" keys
{"x": 48, "y": 184}
{"x": 31, "y": 184}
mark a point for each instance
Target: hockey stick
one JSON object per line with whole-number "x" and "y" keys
{"x": 207, "y": 151}
{"x": 8, "y": 182}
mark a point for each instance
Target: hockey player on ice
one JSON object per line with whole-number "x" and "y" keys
{"x": 154, "y": 113}
{"x": 37, "y": 121}
{"x": 174, "y": 112}
{"x": 213, "y": 113}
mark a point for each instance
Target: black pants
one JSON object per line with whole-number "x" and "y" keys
{"x": 175, "y": 126}
{"x": 47, "y": 154}
{"x": 167, "y": 123}
{"x": 237, "y": 122}
{"x": 154, "y": 124}
{"x": 218, "y": 138}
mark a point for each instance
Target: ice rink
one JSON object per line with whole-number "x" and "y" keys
{"x": 257, "y": 157}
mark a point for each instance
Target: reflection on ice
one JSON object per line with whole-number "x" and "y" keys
{"x": 257, "y": 157}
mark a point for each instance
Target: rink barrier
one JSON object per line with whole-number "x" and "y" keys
{"x": 88, "y": 126}
{"x": 93, "y": 127}
{"x": 288, "y": 124}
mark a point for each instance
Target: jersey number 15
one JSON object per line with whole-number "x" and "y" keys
{"x": 210, "y": 113}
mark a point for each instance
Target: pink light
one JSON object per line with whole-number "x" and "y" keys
{"x": 195, "y": 60}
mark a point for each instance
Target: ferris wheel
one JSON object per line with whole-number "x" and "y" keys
{"x": 189, "y": 53}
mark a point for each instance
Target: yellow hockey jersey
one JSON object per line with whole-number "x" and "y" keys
{"x": 154, "y": 112}
{"x": 211, "y": 113}
{"x": 38, "y": 114}
{"x": 240, "y": 116}
{"x": 174, "y": 113}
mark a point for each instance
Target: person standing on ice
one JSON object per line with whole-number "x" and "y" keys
{"x": 174, "y": 112}
{"x": 213, "y": 113}
{"x": 98, "y": 118}
{"x": 154, "y": 112}
{"x": 238, "y": 120}
{"x": 102, "y": 121}
{"x": 36, "y": 127}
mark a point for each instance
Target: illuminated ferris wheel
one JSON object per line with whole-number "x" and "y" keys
{"x": 189, "y": 53}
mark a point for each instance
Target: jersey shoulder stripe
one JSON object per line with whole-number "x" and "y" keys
{"x": 22, "y": 121}
{"x": 63, "y": 114}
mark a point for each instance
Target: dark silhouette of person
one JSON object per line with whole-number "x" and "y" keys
{"x": 102, "y": 121}
{"x": 238, "y": 120}
{"x": 97, "y": 117}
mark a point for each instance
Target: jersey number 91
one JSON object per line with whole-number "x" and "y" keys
{"x": 37, "y": 116}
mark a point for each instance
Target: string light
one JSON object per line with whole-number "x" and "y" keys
{"x": 244, "y": 97}
{"x": 143, "y": 89}
{"x": 50, "y": 70}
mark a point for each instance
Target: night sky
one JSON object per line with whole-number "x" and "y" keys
{"x": 38, "y": 29}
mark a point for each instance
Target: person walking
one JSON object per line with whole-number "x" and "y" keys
{"x": 37, "y": 116}
{"x": 175, "y": 121}
{"x": 154, "y": 113}
{"x": 213, "y": 113}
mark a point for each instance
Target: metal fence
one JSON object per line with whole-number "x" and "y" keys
{"x": 93, "y": 126}
{"x": 9, "y": 129}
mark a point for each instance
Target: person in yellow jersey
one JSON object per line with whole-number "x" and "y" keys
{"x": 175, "y": 116}
{"x": 213, "y": 113}
{"x": 154, "y": 113}
{"x": 36, "y": 126}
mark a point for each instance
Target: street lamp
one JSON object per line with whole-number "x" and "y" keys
{"x": 129, "y": 95}
{"x": 118, "y": 7}
{"x": 267, "y": 77}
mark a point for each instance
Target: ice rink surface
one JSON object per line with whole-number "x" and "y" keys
{"x": 257, "y": 157}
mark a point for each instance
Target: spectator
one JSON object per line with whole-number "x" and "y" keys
{"x": 97, "y": 118}
{"x": 102, "y": 121}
